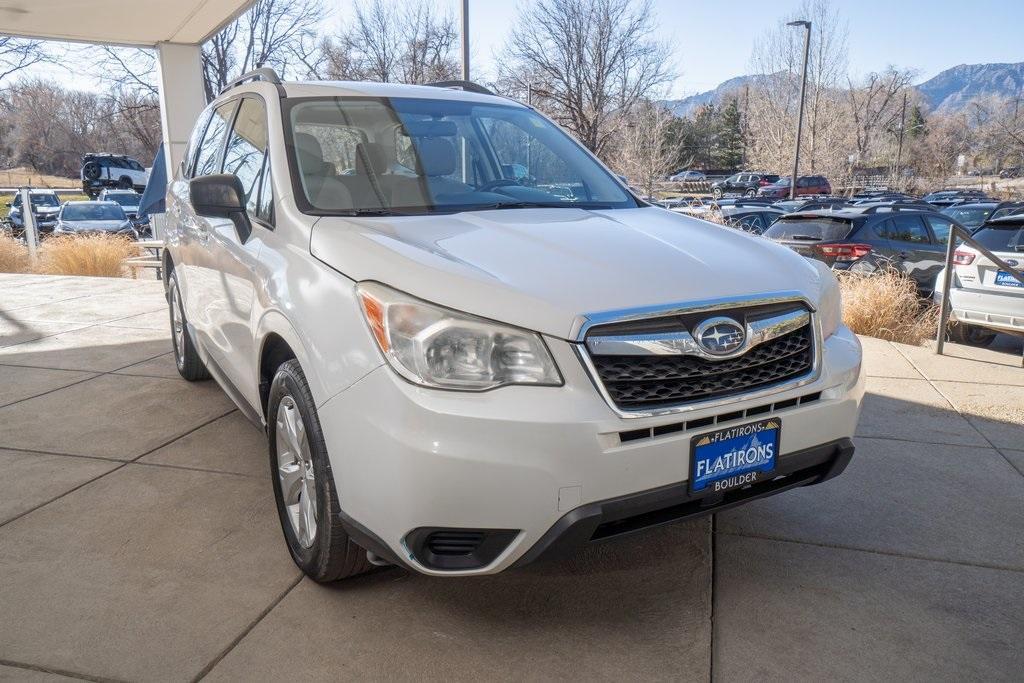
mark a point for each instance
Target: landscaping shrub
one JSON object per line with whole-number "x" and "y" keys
{"x": 886, "y": 305}
{"x": 97, "y": 255}
{"x": 13, "y": 255}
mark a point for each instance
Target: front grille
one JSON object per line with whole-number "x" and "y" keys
{"x": 657, "y": 381}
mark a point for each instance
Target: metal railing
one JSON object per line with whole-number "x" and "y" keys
{"x": 958, "y": 233}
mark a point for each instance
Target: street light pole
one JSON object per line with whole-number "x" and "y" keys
{"x": 465, "y": 40}
{"x": 800, "y": 115}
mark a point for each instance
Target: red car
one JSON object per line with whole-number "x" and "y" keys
{"x": 805, "y": 185}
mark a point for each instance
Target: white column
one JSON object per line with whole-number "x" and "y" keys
{"x": 181, "y": 97}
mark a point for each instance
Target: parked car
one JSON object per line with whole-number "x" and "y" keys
{"x": 812, "y": 204}
{"x": 867, "y": 240}
{"x": 973, "y": 214}
{"x": 129, "y": 201}
{"x": 985, "y": 299}
{"x": 745, "y": 184}
{"x": 111, "y": 170}
{"x": 81, "y": 218}
{"x": 752, "y": 218}
{"x": 944, "y": 198}
{"x": 1009, "y": 172}
{"x": 805, "y": 185}
{"x": 462, "y": 374}
{"x": 687, "y": 177}
{"x": 45, "y": 205}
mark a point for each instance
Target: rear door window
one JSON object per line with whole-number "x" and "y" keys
{"x": 941, "y": 228}
{"x": 810, "y": 229}
{"x": 905, "y": 228}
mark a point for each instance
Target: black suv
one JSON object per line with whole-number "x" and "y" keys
{"x": 908, "y": 238}
{"x": 746, "y": 184}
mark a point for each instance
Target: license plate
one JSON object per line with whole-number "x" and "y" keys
{"x": 734, "y": 457}
{"x": 1007, "y": 280}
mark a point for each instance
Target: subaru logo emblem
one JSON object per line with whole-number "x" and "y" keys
{"x": 720, "y": 336}
{"x": 1012, "y": 263}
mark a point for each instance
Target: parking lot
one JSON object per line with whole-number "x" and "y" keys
{"x": 139, "y": 539}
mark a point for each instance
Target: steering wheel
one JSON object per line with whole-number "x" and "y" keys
{"x": 495, "y": 184}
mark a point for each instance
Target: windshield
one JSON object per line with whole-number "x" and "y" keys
{"x": 1008, "y": 237}
{"x": 123, "y": 199}
{"x": 815, "y": 230}
{"x": 92, "y": 212}
{"x": 971, "y": 217}
{"x": 404, "y": 155}
{"x": 38, "y": 200}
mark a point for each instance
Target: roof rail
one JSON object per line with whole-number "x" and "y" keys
{"x": 265, "y": 74}
{"x": 898, "y": 206}
{"x": 468, "y": 86}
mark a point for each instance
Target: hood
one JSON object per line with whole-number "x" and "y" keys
{"x": 542, "y": 269}
{"x": 105, "y": 226}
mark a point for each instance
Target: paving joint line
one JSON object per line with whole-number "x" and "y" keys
{"x": 123, "y": 464}
{"x": 57, "y": 671}
{"x": 965, "y": 418}
{"x": 711, "y": 602}
{"x": 205, "y": 671}
{"x": 96, "y": 374}
{"x": 872, "y": 551}
{"x": 924, "y": 443}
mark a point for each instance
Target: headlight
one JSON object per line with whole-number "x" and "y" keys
{"x": 830, "y": 305}
{"x": 437, "y": 347}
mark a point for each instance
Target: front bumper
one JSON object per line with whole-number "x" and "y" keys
{"x": 521, "y": 459}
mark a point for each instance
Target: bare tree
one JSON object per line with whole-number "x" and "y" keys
{"x": 645, "y": 151}
{"x": 777, "y": 58}
{"x": 591, "y": 59}
{"x": 875, "y": 105}
{"x": 398, "y": 41}
{"x": 276, "y": 33}
{"x": 17, "y": 54}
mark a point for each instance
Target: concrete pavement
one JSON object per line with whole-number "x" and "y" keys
{"x": 139, "y": 540}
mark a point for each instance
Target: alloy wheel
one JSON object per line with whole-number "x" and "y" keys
{"x": 177, "y": 327}
{"x": 295, "y": 472}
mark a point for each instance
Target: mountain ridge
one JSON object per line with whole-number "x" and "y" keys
{"x": 947, "y": 92}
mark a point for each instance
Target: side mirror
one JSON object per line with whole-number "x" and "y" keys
{"x": 221, "y": 196}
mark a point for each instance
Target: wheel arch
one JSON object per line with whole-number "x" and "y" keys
{"x": 278, "y": 342}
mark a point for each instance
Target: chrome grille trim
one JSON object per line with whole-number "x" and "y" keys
{"x": 682, "y": 343}
{"x": 588, "y": 321}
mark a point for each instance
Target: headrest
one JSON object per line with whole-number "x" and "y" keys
{"x": 370, "y": 158}
{"x": 437, "y": 156}
{"x": 310, "y": 154}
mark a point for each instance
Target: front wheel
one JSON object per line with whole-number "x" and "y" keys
{"x": 716, "y": 192}
{"x": 307, "y": 500}
{"x": 186, "y": 358}
{"x": 750, "y": 193}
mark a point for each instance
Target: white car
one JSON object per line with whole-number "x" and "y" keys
{"x": 460, "y": 371}
{"x": 101, "y": 171}
{"x": 688, "y": 177}
{"x": 985, "y": 299}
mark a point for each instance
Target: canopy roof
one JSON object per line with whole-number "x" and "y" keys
{"x": 117, "y": 22}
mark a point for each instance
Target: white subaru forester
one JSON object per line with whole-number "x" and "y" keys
{"x": 471, "y": 346}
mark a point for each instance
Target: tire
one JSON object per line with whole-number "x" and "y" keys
{"x": 125, "y": 183}
{"x": 299, "y": 465}
{"x": 972, "y": 335}
{"x": 750, "y": 193}
{"x": 91, "y": 170}
{"x": 186, "y": 358}
{"x": 716, "y": 192}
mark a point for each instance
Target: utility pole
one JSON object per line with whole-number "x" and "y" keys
{"x": 465, "y": 40}
{"x": 899, "y": 146}
{"x": 800, "y": 114}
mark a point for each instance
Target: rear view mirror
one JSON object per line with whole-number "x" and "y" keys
{"x": 221, "y": 196}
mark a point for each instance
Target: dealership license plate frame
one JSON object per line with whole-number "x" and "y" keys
{"x": 767, "y": 472}
{"x": 1005, "y": 279}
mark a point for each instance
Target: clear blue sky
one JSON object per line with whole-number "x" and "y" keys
{"x": 712, "y": 40}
